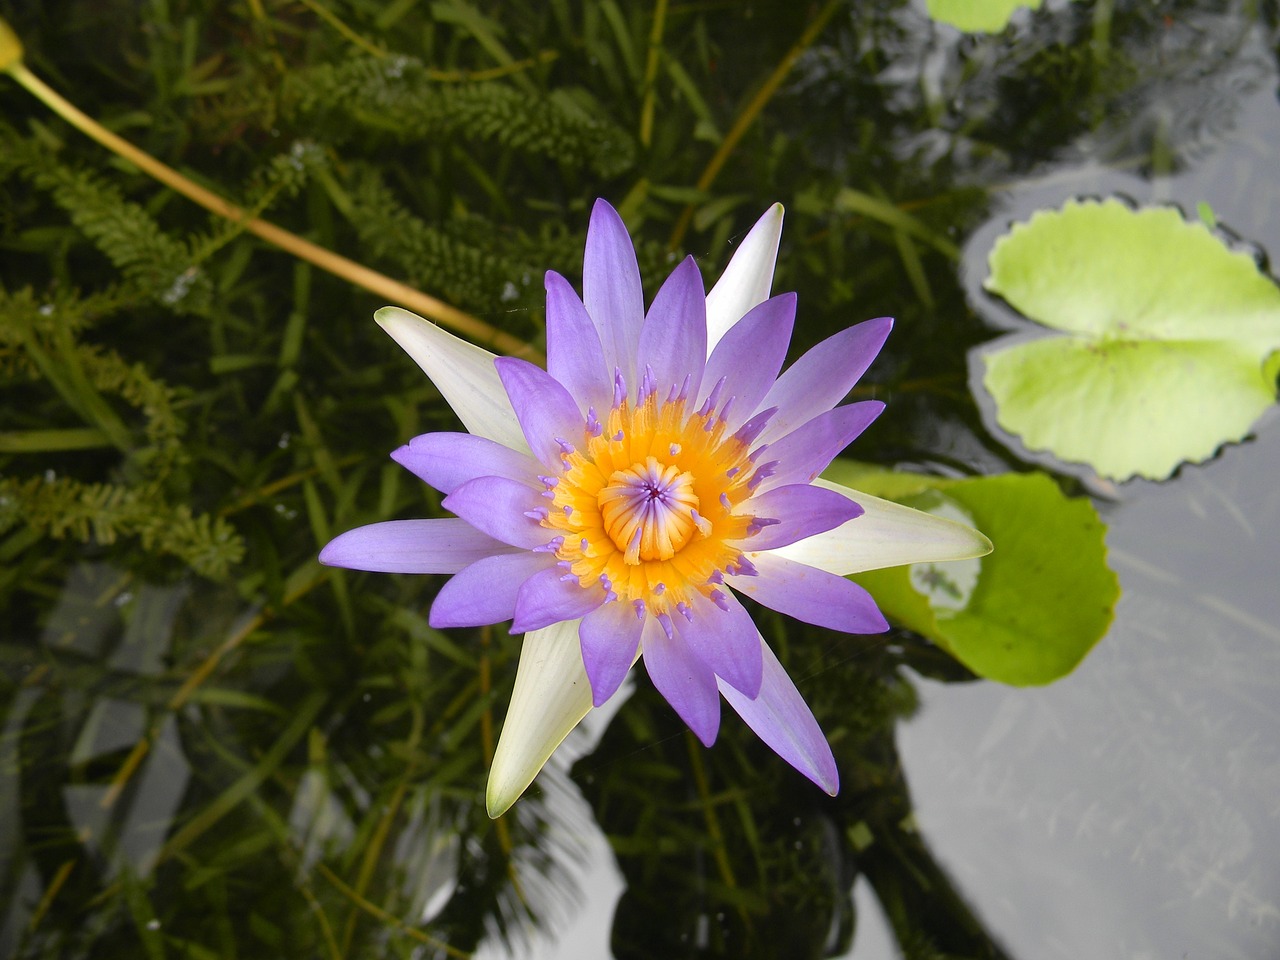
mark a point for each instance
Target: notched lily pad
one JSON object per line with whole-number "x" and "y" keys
{"x": 978, "y": 16}
{"x": 1025, "y": 614}
{"x": 1171, "y": 346}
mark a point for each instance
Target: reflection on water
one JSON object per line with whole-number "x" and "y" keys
{"x": 288, "y": 765}
{"x": 122, "y": 831}
{"x": 1140, "y": 792}
{"x": 948, "y": 586}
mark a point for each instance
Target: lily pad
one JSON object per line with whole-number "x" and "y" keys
{"x": 1025, "y": 614}
{"x": 978, "y": 16}
{"x": 1172, "y": 338}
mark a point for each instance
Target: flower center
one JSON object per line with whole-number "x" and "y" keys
{"x": 648, "y": 510}
{"x": 646, "y": 506}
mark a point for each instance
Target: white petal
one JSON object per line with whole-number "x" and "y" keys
{"x": 886, "y": 535}
{"x": 552, "y": 694}
{"x": 462, "y": 372}
{"x": 747, "y": 279}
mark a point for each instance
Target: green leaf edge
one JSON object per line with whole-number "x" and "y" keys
{"x": 902, "y": 603}
{"x": 1018, "y": 234}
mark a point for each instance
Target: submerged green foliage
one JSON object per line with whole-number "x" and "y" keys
{"x": 210, "y": 746}
{"x": 397, "y": 96}
{"x": 42, "y": 348}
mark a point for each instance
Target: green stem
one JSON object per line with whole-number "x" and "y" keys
{"x": 374, "y": 910}
{"x": 334, "y": 21}
{"x": 719, "y": 849}
{"x": 373, "y": 849}
{"x": 749, "y": 113}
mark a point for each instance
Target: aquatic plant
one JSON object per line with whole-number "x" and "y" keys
{"x": 612, "y": 505}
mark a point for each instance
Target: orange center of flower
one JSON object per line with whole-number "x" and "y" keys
{"x": 646, "y": 504}
{"x": 648, "y": 510}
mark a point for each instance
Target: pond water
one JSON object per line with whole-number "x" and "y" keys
{"x": 1139, "y": 792}
{"x": 1130, "y": 809}
{"x": 259, "y": 758}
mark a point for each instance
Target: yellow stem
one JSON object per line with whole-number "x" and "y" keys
{"x": 651, "y": 72}
{"x": 375, "y": 910}
{"x": 333, "y": 20}
{"x": 189, "y": 687}
{"x": 127, "y": 769}
{"x": 259, "y": 14}
{"x": 373, "y": 849}
{"x": 362, "y": 276}
{"x": 749, "y": 114}
{"x": 283, "y": 483}
{"x": 317, "y": 911}
{"x": 493, "y": 73}
{"x": 51, "y": 892}
{"x": 719, "y": 849}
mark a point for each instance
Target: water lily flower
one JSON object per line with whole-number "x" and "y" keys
{"x": 614, "y": 505}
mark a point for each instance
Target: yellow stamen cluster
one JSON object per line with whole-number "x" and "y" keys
{"x": 646, "y": 503}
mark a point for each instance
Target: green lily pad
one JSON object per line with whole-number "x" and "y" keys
{"x": 978, "y": 16}
{"x": 1172, "y": 338}
{"x": 1025, "y": 614}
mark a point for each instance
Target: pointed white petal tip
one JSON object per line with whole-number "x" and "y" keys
{"x": 551, "y": 696}
{"x": 462, "y": 372}
{"x": 396, "y": 318}
{"x": 886, "y": 535}
{"x": 748, "y": 278}
{"x": 982, "y": 546}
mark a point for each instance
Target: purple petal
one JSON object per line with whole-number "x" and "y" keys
{"x": 610, "y": 636}
{"x": 611, "y": 289}
{"x": 822, "y": 377}
{"x": 780, "y": 717}
{"x": 726, "y": 640}
{"x": 574, "y": 355}
{"x": 505, "y": 509}
{"x": 485, "y": 592}
{"x": 673, "y": 340}
{"x": 448, "y": 460}
{"x": 801, "y": 511}
{"x": 547, "y": 598}
{"x": 684, "y": 679}
{"x": 410, "y": 546}
{"x": 546, "y": 412}
{"x": 811, "y": 595}
{"x": 806, "y": 451}
{"x": 750, "y": 355}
